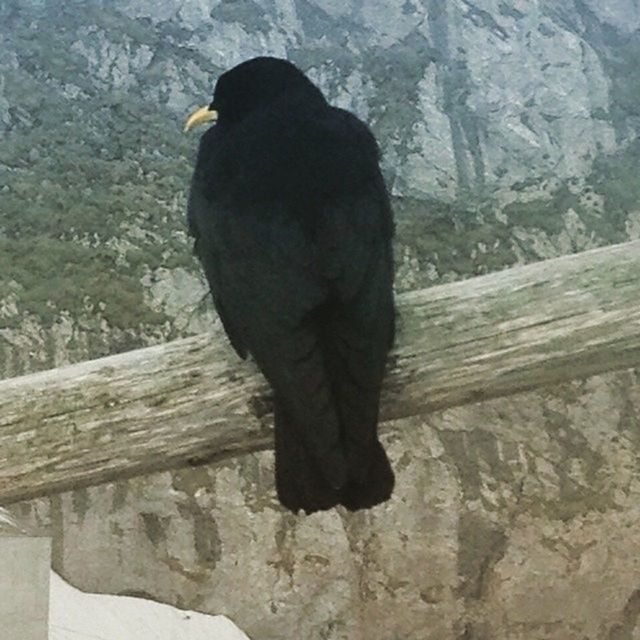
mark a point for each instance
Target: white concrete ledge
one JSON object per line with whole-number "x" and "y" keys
{"x": 25, "y": 560}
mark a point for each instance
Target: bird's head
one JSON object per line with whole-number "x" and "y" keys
{"x": 250, "y": 86}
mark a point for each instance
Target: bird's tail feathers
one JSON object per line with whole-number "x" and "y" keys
{"x": 355, "y": 364}
{"x": 304, "y": 480}
{"x": 312, "y": 483}
{"x": 327, "y": 392}
{"x": 372, "y": 484}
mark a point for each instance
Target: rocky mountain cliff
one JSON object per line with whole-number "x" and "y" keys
{"x": 508, "y": 131}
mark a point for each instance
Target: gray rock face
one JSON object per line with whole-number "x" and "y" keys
{"x": 464, "y": 97}
{"x": 622, "y": 15}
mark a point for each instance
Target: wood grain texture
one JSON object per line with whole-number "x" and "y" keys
{"x": 193, "y": 400}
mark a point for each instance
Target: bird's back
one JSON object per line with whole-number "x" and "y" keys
{"x": 293, "y": 227}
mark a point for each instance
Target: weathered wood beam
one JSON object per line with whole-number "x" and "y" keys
{"x": 193, "y": 399}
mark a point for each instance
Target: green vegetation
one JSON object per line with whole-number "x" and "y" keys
{"x": 616, "y": 178}
{"x": 459, "y": 239}
{"x": 92, "y": 184}
{"x": 63, "y": 217}
{"x": 467, "y": 238}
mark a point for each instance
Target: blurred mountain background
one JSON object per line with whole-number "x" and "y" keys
{"x": 508, "y": 130}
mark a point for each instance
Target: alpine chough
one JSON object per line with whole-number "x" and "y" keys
{"x": 293, "y": 228}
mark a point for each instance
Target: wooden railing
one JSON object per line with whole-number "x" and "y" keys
{"x": 193, "y": 400}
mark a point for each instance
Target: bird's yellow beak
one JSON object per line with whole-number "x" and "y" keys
{"x": 200, "y": 116}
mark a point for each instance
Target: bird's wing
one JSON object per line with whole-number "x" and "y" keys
{"x": 267, "y": 290}
{"x": 199, "y": 209}
{"x": 304, "y": 285}
{"x": 356, "y": 337}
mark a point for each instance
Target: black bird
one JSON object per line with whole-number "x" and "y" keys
{"x": 293, "y": 227}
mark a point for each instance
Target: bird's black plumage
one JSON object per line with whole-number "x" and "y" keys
{"x": 293, "y": 227}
